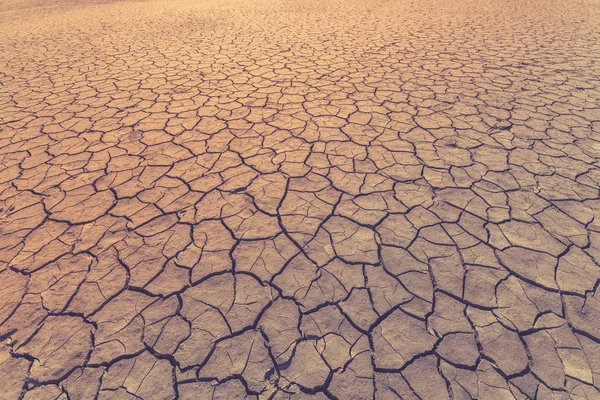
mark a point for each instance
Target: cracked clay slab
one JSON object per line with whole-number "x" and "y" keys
{"x": 300, "y": 199}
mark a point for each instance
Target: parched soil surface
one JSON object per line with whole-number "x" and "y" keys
{"x": 298, "y": 199}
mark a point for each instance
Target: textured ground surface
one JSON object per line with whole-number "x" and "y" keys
{"x": 351, "y": 199}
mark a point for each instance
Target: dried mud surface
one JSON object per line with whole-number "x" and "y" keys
{"x": 260, "y": 199}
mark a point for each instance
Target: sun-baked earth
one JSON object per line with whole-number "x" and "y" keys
{"x": 298, "y": 199}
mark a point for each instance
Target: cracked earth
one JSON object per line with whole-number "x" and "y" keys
{"x": 260, "y": 199}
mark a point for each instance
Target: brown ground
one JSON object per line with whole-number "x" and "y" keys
{"x": 293, "y": 199}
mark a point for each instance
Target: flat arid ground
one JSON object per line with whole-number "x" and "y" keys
{"x": 298, "y": 199}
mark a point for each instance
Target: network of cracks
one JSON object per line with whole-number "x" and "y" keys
{"x": 293, "y": 200}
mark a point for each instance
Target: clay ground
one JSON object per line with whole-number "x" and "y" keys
{"x": 298, "y": 199}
